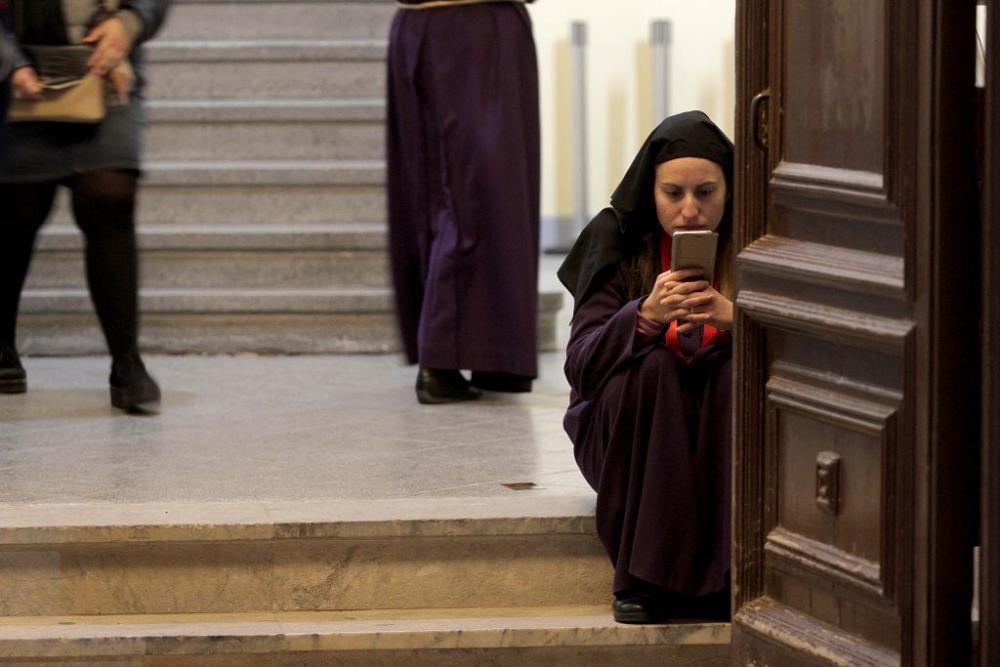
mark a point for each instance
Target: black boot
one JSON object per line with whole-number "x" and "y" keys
{"x": 505, "y": 382}
{"x": 444, "y": 386}
{"x": 132, "y": 388}
{"x": 13, "y": 379}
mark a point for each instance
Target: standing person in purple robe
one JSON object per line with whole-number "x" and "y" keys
{"x": 648, "y": 363}
{"x": 463, "y": 189}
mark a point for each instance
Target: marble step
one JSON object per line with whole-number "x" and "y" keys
{"x": 321, "y": 555}
{"x": 227, "y": 321}
{"x": 256, "y": 68}
{"x": 278, "y": 19}
{"x": 335, "y": 236}
{"x": 257, "y": 192}
{"x": 544, "y": 635}
{"x": 192, "y": 203}
{"x": 259, "y": 173}
{"x": 309, "y": 256}
{"x": 267, "y": 129}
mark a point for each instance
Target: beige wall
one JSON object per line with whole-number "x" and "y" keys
{"x": 618, "y": 83}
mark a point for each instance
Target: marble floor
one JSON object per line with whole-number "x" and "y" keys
{"x": 277, "y": 428}
{"x": 264, "y": 428}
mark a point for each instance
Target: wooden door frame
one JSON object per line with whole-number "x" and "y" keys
{"x": 944, "y": 531}
{"x": 989, "y": 577}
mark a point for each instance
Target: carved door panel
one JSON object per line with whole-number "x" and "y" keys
{"x": 857, "y": 362}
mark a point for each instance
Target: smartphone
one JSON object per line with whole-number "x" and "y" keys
{"x": 694, "y": 249}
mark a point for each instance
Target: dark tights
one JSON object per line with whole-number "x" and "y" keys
{"x": 104, "y": 210}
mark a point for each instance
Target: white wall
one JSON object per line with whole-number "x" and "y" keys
{"x": 618, "y": 83}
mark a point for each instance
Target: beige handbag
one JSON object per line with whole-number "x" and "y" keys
{"x": 82, "y": 100}
{"x": 69, "y": 93}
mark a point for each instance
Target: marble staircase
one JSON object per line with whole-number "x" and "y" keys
{"x": 384, "y": 582}
{"x": 262, "y": 207}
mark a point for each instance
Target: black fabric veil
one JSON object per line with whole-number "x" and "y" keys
{"x": 614, "y": 232}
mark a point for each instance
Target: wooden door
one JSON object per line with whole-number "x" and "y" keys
{"x": 857, "y": 346}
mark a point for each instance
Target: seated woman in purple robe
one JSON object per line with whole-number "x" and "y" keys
{"x": 648, "y": 363}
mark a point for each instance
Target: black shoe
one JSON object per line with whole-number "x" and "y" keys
{"x": 13, "y": 379}
{"x": 711, "y": 607}
{"x": 132, "y": 388}
{"x": 640, "y": 608}
{"x": 436, "y": 386}
{"x": 506, "y": 382}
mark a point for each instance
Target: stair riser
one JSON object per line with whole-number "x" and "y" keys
{"x": 266, "y": 141}
{"x": 250, "y": 79}
{"x": 78, "y": 334}
{"x": 279, "y": 20}
{"x": 249, "y": 204}
{"x": 304, "y": 575}
{"x": 551, "y": 656}
{"x": 226, "y": 269}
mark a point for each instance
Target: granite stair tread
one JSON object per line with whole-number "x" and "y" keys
{"x": 271, "y": 50}
{"x": 387, "y": 630}
{"x": 51, "y": 301}
{"x": 202, "y": 173}
{"x": 213, "y": 237}
{"x": 267, "y": 110}
{"x": 282, "y": 2}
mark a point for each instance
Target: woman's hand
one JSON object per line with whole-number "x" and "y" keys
{"x": 671, "y": 290}
{"x": 112, "y": 45}
{"x": 26, "y": 83}
{"x": 707, "y": 306}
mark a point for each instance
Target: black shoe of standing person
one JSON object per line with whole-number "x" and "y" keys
{"x": 436, "y": 386}
{"x": 636, "y": 608}
{"x": 505, "y": 382}
{"x": 13, "y": 379}
{"x": 132, "y": 388}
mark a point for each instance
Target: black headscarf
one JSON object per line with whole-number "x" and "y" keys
{"x": 616, "y": 231}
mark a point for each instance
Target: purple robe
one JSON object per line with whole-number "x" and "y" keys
{"x": 652, "y": 435}
{"x": 463, "y": 186}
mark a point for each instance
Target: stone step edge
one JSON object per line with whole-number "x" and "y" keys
{"x": 283, "y": 2}
{"x": 236, "y": 237}
{"x": 195, "y": 173}
{"x": 269, "y": 50}
{"x": 392, "y": 630}
{"x": 367, "y": 109}
{"x": 54, "y": 524}
{"x": 56, "y": 302}
{"x": 53, "y": 303}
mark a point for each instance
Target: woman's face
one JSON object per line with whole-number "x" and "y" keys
{"x": 690, "y": 193}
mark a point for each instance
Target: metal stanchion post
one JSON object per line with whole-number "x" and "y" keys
{"x": 660, "y": 37}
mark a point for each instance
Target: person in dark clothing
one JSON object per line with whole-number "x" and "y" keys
{"x": 99, "y": 164}
{"x": 6, "y": 65}
{"x": 463, "y": 191}
{"x": 648, "y": 363}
